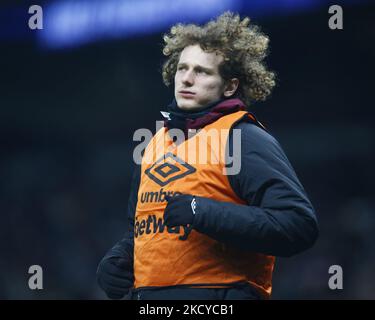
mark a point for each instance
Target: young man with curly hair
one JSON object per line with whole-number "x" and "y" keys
{"x": 196, "y": 230}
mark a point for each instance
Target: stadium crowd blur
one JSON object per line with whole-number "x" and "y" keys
{"x": 67, "y": 120}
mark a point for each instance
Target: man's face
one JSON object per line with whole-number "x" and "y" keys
{"x": 197, "y": 80}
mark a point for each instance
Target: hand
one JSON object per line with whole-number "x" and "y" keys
{"x": 178, "y": 211}
{"x": 115, "y": 276}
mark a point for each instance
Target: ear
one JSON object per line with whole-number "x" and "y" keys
{"x": 231, "y": 87}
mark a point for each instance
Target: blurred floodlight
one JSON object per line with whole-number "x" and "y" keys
{"x": 70, "y": 23}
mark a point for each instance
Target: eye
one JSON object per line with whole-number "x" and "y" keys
{"x": 202, "y": 71}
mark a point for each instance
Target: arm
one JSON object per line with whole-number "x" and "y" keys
{"x": 127, "y": 243}
{"x": 278, "y": 218}
{"x": 115, "y": 271}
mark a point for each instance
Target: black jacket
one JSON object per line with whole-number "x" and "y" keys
{"x": 279, "y": 219}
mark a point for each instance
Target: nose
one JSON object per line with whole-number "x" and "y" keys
{"x": 188, "y": 78}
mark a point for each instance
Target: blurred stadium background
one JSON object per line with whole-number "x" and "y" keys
{"x": 72, "y": 94}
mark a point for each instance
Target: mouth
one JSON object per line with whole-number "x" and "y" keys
{"x": 186, "y": 93}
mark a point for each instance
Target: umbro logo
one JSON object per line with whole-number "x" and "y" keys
{"x": 169, "y": 168}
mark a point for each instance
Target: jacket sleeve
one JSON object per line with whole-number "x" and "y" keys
{"x": 278, "y": 218}
{"x": 127, "y": 243}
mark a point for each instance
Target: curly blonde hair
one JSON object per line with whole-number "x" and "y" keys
{"x": 243, "y": 47}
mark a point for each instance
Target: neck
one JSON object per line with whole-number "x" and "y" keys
{"x": 202, "y": 108}
{"x": 174, "y": 109}
{"x": 194, "y": 119}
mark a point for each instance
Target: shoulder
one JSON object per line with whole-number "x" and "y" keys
{"x": 259, "y": 148}
{"x": 256, "y": 137}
